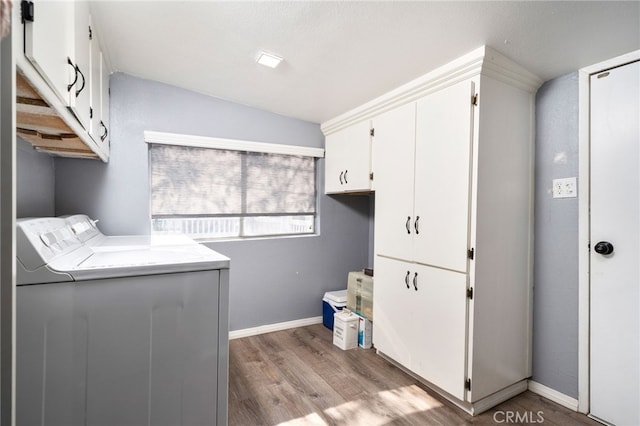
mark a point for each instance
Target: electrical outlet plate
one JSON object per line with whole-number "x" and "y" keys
{"x": 565, "y": 188}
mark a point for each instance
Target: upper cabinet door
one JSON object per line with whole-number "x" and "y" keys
{"x": 348, "y": 159}
{"x": 393, "y": 151}
{"x": 99, "y": 77}
{"x": 80, "y": 94}
{"x": 57, "y": 44}
{"x": 95, "y": 77}
{"x": 49, "y": 44}
{"x": 104, "y": 99}
{"x": 444, "y": 134}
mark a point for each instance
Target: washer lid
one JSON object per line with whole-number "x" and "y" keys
{"x": 140, "y": 260}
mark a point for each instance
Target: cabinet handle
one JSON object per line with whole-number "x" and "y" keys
{"x": 83, "y": 81}
{"x": 345, "y": 176}
{"x": 75, "y": 79}
{"x": 27, "y": 11}
{"x": 408, "y": 225}
{"x": 341, "y": 173}
{"x": 415, "y": 281}
{"x": 106, "y": 131}
{"x": 415, "y": 225}
{"x": 406, "y": 279}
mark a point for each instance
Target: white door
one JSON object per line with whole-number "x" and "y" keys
{"x": 394, "y": 151}
{"x": 442, "y": 176}
{"x": 104, "y": 100}
{"x": 358, "y": 154}
{"x": 95, "y": 80}
{"x": 348, "y": 159}
{"x": 394, "y": 303}
{"x": 334, "y": 145}
{"x": 615, "y": 228}
{"x": 79, "y": 96}
{"x": 439, "y": 328}
{"x": 48, "y": 44}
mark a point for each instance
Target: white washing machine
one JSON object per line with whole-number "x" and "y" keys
{"x": 126, "y": 330}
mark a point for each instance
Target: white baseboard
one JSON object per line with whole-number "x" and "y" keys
{"x": 499, "y": 397}
{"x": 553, "y": 395}
{"x": 254, "y": 331}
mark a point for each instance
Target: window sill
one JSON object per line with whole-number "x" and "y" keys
{"x": 256, "y": 238}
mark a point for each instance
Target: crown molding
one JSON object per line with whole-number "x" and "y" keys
{"x": 481, "y": 61}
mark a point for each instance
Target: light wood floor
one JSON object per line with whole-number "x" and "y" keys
{"x": 298, "y": 377}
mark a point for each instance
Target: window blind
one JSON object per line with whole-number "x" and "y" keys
{"x": 192, "y": 181}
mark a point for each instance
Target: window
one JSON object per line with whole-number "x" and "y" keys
{"x": 210, "y": 191}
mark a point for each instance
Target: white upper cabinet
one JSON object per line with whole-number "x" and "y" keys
{"x": 104, "y": 99}
{"x": 48, "y": 43}
{"x": 394, "y": 154}
{"x": 80, "y": 93}
{"x": 64, "y": 67}
{"x": 348, "y": 159}
{"x": 96, "y": 89}
{"x": 57, "y": 44}
{"x": 443, "y": 174}
{"x": 423, "y": 178}
{"x": 99, "y": 78}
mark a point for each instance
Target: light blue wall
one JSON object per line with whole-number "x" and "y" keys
{"x": 35, "y": 177}
{"x": 272, "y": 280}
{"x": 555, "y": 301}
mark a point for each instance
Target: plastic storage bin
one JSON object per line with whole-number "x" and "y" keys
{"x": 360, "y": 294}
{"x": 345, "y": 330}
{"x": 332, "y": 302}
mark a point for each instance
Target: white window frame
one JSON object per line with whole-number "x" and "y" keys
{"x": 230, "y": 144}
{"x": 153, "y": 137}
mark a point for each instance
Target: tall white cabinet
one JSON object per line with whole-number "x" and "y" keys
{"x": 453, "y": 166}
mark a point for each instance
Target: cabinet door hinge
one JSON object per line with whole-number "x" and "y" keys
{"x": 470, "y": 293}
{"x": 467, "y": 384}
{"x": 371, "y": 176}
{"x": 90, "y": 33}
{"x": 90, "y": 112}
{"x": 372, "y": 132}
{"x": 474, "y": 100}
{"x": 27, "y": 9}
{"x": 471, "y": 253}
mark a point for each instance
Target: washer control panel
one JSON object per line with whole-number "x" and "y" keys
{"x": 40, "y": 240}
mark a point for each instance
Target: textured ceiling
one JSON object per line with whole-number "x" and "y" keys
{"x": 340, "y": 54}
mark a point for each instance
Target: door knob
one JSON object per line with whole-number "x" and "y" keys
{"x": 604, "y": 247}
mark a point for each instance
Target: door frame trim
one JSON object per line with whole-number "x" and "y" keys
{"x": 584, "y": 202}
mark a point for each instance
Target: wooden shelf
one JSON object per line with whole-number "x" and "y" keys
{"x": 40, "y": 125}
